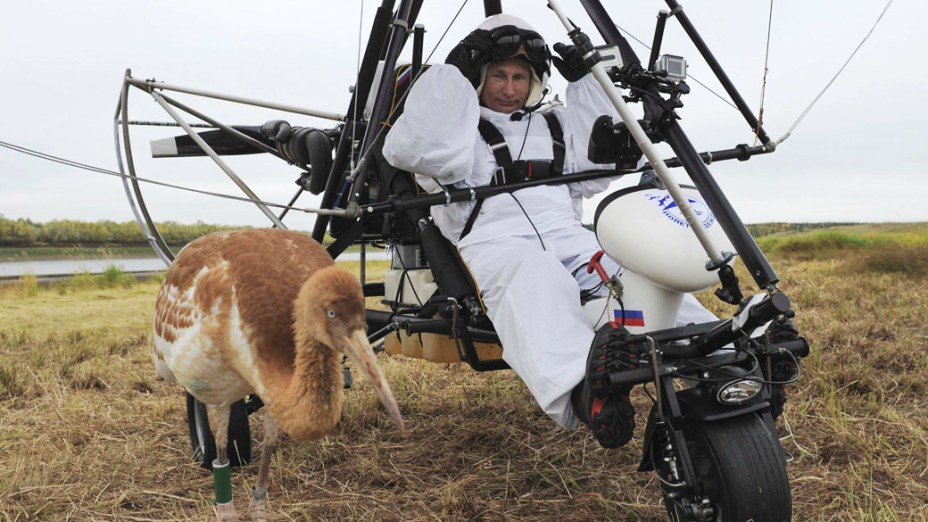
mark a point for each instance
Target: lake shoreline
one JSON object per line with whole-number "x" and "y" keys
{"x": 80, "y": 253}
{"x": 47, "y": 253}
{"x": 61, "y": 267}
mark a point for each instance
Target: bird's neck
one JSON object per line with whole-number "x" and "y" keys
{"x": 311, "y": 404}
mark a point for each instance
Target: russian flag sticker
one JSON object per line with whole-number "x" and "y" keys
{"x": 632, "y": 318}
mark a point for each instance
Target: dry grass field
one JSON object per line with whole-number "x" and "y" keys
{"x": 88, "y": 433}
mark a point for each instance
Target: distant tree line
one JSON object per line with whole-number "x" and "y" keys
{"x": 25, "y": 233}
{"x": 766, "y": 229}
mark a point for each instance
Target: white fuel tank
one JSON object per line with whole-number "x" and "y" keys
{"x": 643, "y": 229}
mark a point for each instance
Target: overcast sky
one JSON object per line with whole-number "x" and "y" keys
{"x": 860, "y": 154}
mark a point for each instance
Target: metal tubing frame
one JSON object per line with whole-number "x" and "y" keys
{"x": 394, "y": 46}
{"x": 716, "y": 256}
{"x": 475, "y": 193}
{"x": 707, "y": 55}
{"x": 741, "y": 153}
{"x": 299, "y": 192}
{"x": 362, "y": 88}
{"x": 383, "y": 323}
{"x": 136, "y": 200}
{"x": 492, "y": 7}
{"x": 215, "y": 157}
{"x": 757, "y": 264}
{"x": 142, "y": 217}
{"x": 235, "y": 133}
{"x": 610, "y": 32}
{"x": 731, "y": 223}
{"x": 151, "y": 85}
{"x": 417, "y": 43}
{"x": 658, "y": 39}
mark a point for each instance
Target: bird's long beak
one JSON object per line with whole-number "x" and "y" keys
{"x": 362, "y": 355}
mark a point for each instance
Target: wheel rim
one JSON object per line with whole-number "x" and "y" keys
{"x": 707, "y": 474}
{"x": 675, "y": 494}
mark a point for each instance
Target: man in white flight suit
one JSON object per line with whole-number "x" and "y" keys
{"x": 527, "y": 250}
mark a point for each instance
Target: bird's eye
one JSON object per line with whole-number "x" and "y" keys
{"x": 331, "y": 314}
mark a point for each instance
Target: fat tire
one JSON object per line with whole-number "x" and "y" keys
{"x": 741, "y": 468}
{"x": 204, "y": 444}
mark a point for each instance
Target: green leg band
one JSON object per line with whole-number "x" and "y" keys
{"x": 222, "y": 482}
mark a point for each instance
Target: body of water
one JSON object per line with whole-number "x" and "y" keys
{"x": 65, "y": 267}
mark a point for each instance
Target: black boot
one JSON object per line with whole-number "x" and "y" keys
{"x": 610, "y": 415}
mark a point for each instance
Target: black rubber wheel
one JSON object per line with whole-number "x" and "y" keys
{"x": 741, "y": 468}
{"x": 203, "y": 443}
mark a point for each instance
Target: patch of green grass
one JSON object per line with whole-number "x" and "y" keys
{"x": 29, "y": 285}
{"x": 81, "y": 281}
{"x": 893, "y": 248}
{"x": 892, "y": 241}
{"x": 908, "y": 261}
{"x": 113, "y": 277}
{"x": 812, "y": 242}
{"x": 12, "y": 385}
{"x": 85, "y": 307}
{"x": 13, "y": 338}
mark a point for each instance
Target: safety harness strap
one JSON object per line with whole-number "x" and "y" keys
{"x": 557, "y": 143}
{"x": 508, "y": 171}
{"x": 497, "y": 143}
{"x": 471, "y": 218}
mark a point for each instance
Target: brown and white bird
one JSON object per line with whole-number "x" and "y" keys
{"x": 263, "y": 311}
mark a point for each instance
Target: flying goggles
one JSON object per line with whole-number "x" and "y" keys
{"x": 509, "y": 39}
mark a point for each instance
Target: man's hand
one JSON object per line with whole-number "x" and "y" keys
{"x": 571, "y": 64}
{"x": 471, "y": 55}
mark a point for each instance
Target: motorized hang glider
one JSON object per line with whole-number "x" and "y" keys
{"x": 738, "y": 394}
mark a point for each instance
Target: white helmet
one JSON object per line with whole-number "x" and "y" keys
{"x": 513, "y": 36}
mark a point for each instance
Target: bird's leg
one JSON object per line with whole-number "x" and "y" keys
{"x": 222, "y": 476}
{"x": 257, "y": 509}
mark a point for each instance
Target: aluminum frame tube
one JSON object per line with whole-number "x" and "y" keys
{"x": 149, "y": 229}
{"x": 760, "y": 269}
{"x": 417, "y": 42}
{"x": 610, "y": 33}
{"x": 215, "y": 157}
{"x": 716, "y": 256}
{"x": 755, "y": 260}
{"x": 150, "y": 86}
{"x": 716, "y": 67}
{"x": 375, "y": 44}
{"x": 292, "y": 202}
{"x": 335, "y": 178}
{"x": 492, "y": 7}
{"x": 472, "y": 194}
{"x": 395, "y": 43}
{"x": 658, "y": 39}
{"x": 223, "y": 127}
{"x": 139, "y": 220}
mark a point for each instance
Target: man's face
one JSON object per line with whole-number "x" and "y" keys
{"x": 507, "y": 85}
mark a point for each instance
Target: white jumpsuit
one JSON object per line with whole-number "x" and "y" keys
{"x": 524, "y": 247}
